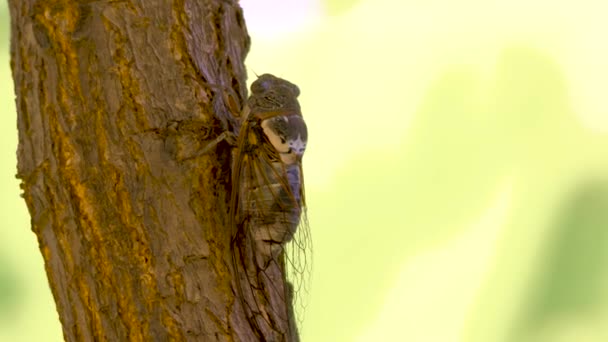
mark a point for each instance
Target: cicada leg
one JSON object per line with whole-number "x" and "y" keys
{"x": 229, "y": 112}
{"x": 227, "y": 136}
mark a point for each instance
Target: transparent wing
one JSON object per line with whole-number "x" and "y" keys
{"x": 298, "y": 256}
{"x": 268, "y": 214}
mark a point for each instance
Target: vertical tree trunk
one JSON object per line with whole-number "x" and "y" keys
{"x": 112, "y": 97}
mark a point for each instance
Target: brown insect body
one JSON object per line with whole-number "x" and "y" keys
{"x": 267, "y": 204}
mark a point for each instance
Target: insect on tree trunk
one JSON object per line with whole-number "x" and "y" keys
{"x": 113, "y": 99}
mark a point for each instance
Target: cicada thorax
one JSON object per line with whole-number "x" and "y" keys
{"x": 269, "y": 195}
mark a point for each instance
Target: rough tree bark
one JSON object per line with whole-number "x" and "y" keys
{"x": 111, "y": 97}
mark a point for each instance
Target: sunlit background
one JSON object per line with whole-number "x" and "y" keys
{"x": 456, "y": 174}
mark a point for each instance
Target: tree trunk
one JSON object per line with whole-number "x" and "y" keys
{"x": 114, "y": 100}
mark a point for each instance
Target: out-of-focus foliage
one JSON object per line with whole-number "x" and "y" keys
{"x": 10, "y": 293}
{"x": 337, "y": 7}
{"x": 569, "y": 295}
{"x": 4, "y": 25}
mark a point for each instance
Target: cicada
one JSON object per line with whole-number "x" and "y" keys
{"x": 271, "y": 238}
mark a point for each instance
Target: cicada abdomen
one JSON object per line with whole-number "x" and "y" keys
{"x": 267, "y": 205}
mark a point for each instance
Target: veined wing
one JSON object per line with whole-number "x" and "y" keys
{"x": 268, "y": 208}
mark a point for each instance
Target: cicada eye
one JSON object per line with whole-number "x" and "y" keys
{"x": 295, "y": 89}
{"x": 267, "y": 82}
{"x": 291, "y": 88}
{"x": 263, "y": 83}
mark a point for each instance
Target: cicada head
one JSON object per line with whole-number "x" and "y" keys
{"x": 272, "y": 96}
{"x": 268, "y": 82}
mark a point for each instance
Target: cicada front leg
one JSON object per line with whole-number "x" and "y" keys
{"x": 227, "y": 136}
{"x": 229, "y": 113}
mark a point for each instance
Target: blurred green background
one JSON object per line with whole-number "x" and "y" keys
{"x": 456, "y": 174}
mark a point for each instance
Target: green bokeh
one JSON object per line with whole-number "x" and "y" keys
{"x": 337, "y": 7}
{"x": 573, "y": 278}
{"x": 10, "y": 292}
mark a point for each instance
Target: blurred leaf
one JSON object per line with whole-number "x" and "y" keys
{"x": 11, "y": 295}
{"x": 338, "y": 7}
{"x": 383, "y": 207}
{"x": 4, "y": 25}
{"x": 573, "y": 280}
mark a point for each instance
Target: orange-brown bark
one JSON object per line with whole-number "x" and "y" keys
{"x": 111, "y": 96}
